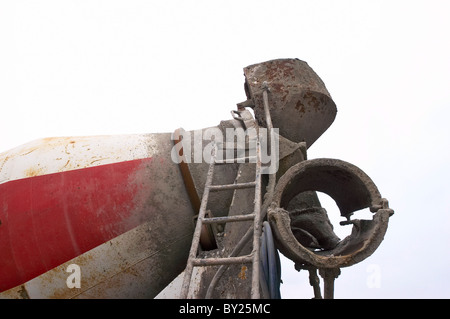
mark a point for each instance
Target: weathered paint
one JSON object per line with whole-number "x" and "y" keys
{"x": 101, "y": 202}
{"x": 55, "y": 217}
{"x": 119, "y": 268}
{"x": 61, "y": 154}
{"x": 300, "y": 105}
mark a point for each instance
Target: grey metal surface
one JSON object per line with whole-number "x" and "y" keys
{"x": 300, "y": 105}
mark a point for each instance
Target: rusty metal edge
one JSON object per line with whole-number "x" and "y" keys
{"x": 207, "y": 240}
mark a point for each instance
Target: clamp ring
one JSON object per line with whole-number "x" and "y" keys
{"x": 352, "y": 190}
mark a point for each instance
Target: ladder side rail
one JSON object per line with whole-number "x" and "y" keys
{"x": 255, "y": 293}
{"x": 198, "y": 227}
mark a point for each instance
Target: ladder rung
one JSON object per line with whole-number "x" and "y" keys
{"x": 232, "y": 186}
{"x": 236, "y": 218}
{"x": 246, "y": 159}
{"x": 222, "y": 261}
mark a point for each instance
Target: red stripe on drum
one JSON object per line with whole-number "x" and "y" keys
{"x": 49, "y": 219}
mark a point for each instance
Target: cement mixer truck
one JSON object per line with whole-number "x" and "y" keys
{"x": 122, "y": 216}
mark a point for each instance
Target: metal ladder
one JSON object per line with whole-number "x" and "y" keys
{"x": 254, "y": 256}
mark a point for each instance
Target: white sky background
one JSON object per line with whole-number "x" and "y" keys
{"x": 117, "y": 67}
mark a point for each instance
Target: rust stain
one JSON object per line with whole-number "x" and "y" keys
{"x": 60, "y": 273}
{"x": 47, "y": 142}
{"x": 67, "y": 163}
{"x": 243, "y": 273}
{"x": 130, "y": 270}
{"x": 100, "y": 159}
{"x": 29, "y": 151}
{"x": 34, "y": 171}
{"x": 4, "y": 162}
{"x": 65, "y": 149}
{"x": 312, "y": 100}
{"x": 50, "y": 139}
{"x": 279, "y": 69}
{"x": 300, "y": 107}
